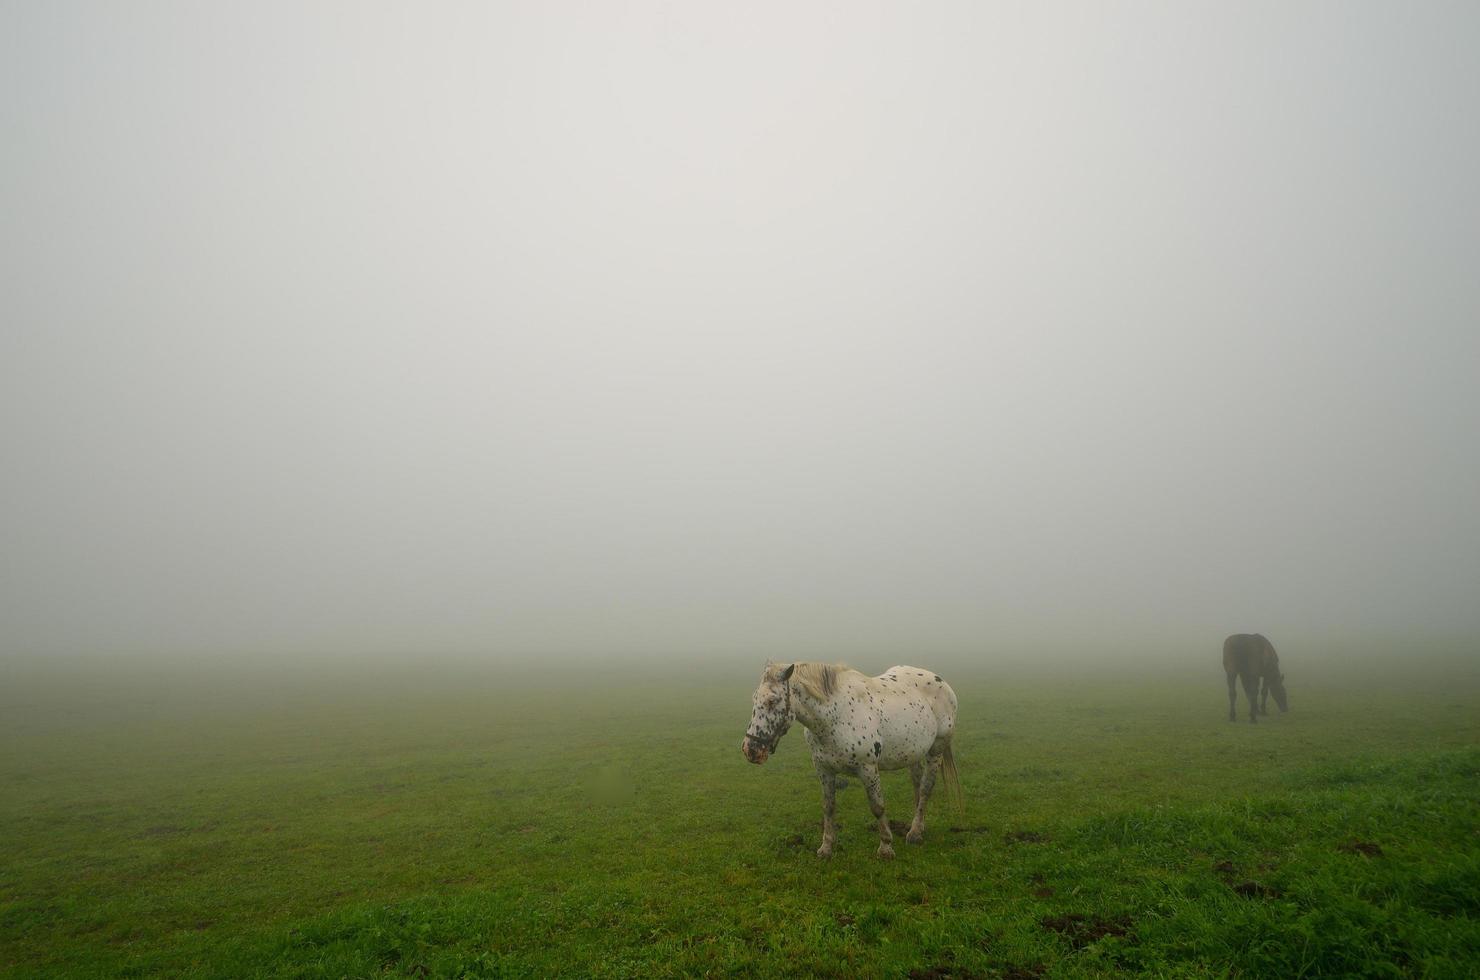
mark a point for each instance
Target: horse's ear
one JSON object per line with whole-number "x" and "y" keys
{"x": 786, "y": 674}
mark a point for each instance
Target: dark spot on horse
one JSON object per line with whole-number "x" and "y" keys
{"x": 1253, "y": 889}
{"x": 937, "y": 678}
{"x": 878, "y": 748}
{"x": 1081, "y": 930}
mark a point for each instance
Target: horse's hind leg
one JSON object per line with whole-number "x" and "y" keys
{"x": 1232, "y": 696}
{"x": 870, "y": 779}
{"x": 829, "y": 825}
{"x": 923, "y": 774}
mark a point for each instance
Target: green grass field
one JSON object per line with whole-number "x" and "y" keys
{"x": 462, "y": 822}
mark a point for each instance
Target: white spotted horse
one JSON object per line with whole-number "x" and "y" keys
{"x": 858, "y": 724}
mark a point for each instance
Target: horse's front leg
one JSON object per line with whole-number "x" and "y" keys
{"x": 923, "y": 774}
{"x": 829, "y": 781}
{"x": 869, "y": 776}
{"x": 1251, "y": 691}
{"x": 1232, "y": 697}
{"x": 1264, "y": 695}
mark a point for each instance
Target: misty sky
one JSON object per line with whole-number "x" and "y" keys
{"x": 790, "y": 329}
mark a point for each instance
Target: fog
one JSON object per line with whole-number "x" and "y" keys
{"x": 883, "y": 333}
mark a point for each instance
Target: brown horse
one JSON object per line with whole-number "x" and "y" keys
{"x": 1251, "y": 658}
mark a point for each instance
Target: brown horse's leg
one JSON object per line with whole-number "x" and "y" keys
{"x": 870, "y": 779}
{"x": 1251, "y": 690}
{"x": 1232, "y": 696}
{"x": 1264, "y": 695}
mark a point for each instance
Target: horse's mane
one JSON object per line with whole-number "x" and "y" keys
{"x": 818, "y": 680}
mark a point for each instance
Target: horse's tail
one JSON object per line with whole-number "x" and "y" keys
{"x": 951, "y": 779}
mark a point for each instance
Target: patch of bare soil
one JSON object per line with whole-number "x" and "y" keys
{"x": 466, "y": 879}
{"x": 1081, "y": 930}
{"x": 1026, "y": 837}
{"x": 944, "y": 972}
{"x": 1366, "y": 847}
{"x": 1254, "y": 889}
{"x": 980, "y": 829}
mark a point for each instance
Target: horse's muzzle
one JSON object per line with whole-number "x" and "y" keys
{"x": 754, "y": 751}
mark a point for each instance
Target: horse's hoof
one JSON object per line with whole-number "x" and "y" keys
{"x": 824, "y": 852}
{"x": 886, "y": 853}
{"x": 915, "y": 837}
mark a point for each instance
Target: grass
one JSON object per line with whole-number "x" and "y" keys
{"x": 485, "y": 823}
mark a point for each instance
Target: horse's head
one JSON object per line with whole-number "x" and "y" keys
{"x": 770, "y": 714}
{"x": 1278, "y": 690}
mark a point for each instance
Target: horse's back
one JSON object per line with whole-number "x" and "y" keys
{"x": 916, "y": 713}
{"x": 931, "y": 688}
{"x": 1248, "y": 652}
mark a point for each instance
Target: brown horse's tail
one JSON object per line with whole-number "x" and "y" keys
{"x": 951, "y": 779}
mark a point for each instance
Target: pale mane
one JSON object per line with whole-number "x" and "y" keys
{"x": 819, "y": 680}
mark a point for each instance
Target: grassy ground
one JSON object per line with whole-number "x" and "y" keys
{"x": 490, "y": 824}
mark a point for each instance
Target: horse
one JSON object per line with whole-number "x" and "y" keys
{"x": 860, "y": 725}
{"x": 1251, "y": 658}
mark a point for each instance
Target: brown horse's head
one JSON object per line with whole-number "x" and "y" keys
{"x": 1277, "y": 688}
